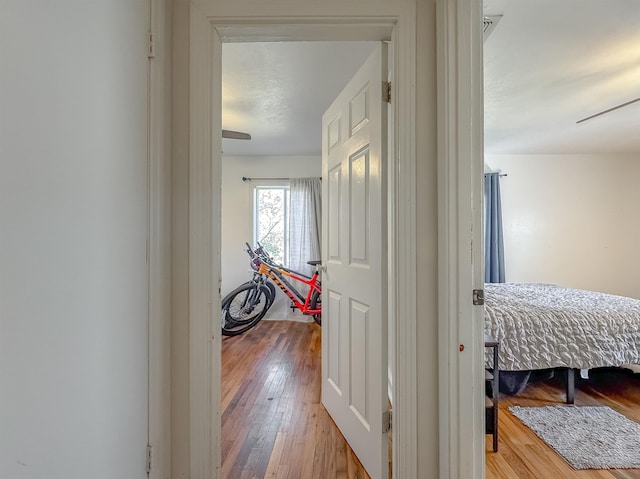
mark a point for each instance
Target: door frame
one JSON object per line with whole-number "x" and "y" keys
{"x": 158, "y": 240}
{"x": 460, "y": 237}
{"x": 204, "y": 174}
{"x": 459, "y": 153}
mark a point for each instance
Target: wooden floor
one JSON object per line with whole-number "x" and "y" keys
{"x": 273, "y": 424}
{"x": 522, "y": 455}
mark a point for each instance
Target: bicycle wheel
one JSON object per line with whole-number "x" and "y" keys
{"x": 315, "y": 302}
{"x": 244, "y": 308}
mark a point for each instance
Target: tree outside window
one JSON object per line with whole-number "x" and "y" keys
{"x": 272, "y": 221}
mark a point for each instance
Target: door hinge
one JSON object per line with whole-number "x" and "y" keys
{"x": 387, "y": 420}
{"x": 148, "y": 458}
{"x": 151, "y": 48}
{"x": 478, "y": 297}
{"x": 386, "y": 92}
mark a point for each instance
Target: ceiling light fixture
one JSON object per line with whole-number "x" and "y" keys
{"x": 610, "y": 109}
{"x": 235, "y": 135}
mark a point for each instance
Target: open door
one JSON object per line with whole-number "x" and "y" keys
{"x": 354, "y": 313}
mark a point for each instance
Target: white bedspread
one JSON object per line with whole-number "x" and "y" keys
{"x": 543, "y": 326}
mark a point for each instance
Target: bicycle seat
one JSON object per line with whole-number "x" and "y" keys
{"x": 314, "y": 263}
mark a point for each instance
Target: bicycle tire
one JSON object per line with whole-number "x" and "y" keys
{"x": 228, "y": 297}
{"x": 314, "y": 301}
{"x": 244, "y": 308}
{"x": 247, "y": 301}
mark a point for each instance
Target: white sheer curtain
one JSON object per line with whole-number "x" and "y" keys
{"x": 305, "y": 222}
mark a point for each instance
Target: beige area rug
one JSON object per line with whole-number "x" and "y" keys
{"x": 588, "y": 437}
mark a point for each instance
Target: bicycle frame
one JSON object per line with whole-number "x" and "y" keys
{"x": 277, "y": 274}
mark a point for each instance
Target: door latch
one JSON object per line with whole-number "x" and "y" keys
{"x": 387, "y": 421}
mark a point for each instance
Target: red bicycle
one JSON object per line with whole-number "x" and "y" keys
{"x": 246, "y": 305}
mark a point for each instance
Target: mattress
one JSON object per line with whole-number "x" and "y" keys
{"x": 543, "y": 326}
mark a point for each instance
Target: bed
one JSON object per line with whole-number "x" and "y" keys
{"x": 544, "y": 326}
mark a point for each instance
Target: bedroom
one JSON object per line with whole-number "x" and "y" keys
{"x": 285, "y": 145}
{"x": 570, "y": 195}
{"x": 285, "y": 131}
{"x": 569, "y": 187}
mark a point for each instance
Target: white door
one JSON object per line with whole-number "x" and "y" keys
{"x": 354, "y": 316}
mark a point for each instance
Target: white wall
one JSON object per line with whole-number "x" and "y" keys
{"x": 237, "y": 215}
{"x": 572, "y": 220}
{"x": 73, "y": 216}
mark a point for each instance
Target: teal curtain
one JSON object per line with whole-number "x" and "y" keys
{"x": 493, "y": 236}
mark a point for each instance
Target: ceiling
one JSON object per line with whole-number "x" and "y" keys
{"x": 548, "y": 64}
{"x": 278, "y": 92}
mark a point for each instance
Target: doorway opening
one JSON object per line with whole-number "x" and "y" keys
{"x": 275, "y": 85}
{"x": 415, "y": 374}
{"x": 567, "y": 131}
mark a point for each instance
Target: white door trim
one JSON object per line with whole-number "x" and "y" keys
{"x": 204, "y": 247}
{"x": 159, "y": 244}
{"x": 460, "y": 168}
{"x": 204, "y": 239}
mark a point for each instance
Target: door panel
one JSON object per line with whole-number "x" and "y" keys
{"x": 358, "y": 334}
{"x": 359, "y": 208}
{"x": 332, "y": 351}
{"x": 334, "y": 199}
{"x": 354, "y": 341}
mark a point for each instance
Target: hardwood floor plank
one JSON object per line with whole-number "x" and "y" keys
{"x": 499, "y": 467}
{"x": 273, "y": 424}
{"x": 626, "y": 474}
{"x": 274, "y": 460}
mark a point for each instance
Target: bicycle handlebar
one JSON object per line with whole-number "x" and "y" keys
{"x": 259, "y": 255}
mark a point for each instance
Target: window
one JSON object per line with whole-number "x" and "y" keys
{"x": 271, "y": 221}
